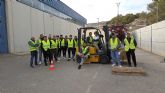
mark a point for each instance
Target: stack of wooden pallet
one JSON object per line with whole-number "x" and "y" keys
{"x": 128, "y": 70}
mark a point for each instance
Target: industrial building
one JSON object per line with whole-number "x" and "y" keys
{"x": 21, "y": 19}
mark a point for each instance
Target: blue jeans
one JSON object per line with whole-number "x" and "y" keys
{"x": 115, "y": 57}
{"x": 40, "y": 54}
{"x": 34, "y": 57}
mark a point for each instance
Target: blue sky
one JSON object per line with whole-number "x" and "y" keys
{"x": 106, "y": 9}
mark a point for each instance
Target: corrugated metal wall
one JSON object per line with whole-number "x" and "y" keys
{"x": 3, "y": 32}
{"x": 25, "y": 21}
{"x": 152, "y": 38}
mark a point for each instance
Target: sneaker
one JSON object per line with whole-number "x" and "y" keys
{"x": 120, "y": 65}
{"x": 69, "y": 59}
{"x": 39, "y": 63}
{"x": 113, "y": 65}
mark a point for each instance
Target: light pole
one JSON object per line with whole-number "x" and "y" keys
{"x": 98, "y": 23}
{"x": 157, "y": 9}
{"x": 118, "y": 4}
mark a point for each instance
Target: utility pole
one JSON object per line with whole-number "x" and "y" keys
{"x": 98, "y": 23}
{"x": 118, "y": 4}
{"x": 157, "y": 9}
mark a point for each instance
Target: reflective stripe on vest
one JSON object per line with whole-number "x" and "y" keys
{"x": 113, "y": 43}
{"x": 54, "y": 44}
{"x": 70, "y": 43}
{"x": 63, "y": 42}
{"x": 32, "y": 48}
{"x": 46, "y": 45}
{"x": 128, "y": 45}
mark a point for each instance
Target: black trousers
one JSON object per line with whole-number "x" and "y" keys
{"x": 54, "y": 53}
{"x": 73, "y": 50}
{"x": 59, "y": 52}
{"x": 63, "y": 50}
{"x": 131, "y": 53}
{"x": 47, "y": 56}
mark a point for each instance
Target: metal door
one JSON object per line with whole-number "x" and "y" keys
{"x": 3, "y": 31}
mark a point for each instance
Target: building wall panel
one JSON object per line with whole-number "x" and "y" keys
{"x": 21, "y": 26}
{"x": 37, "y": 24}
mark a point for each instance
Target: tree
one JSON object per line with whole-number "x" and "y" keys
{"x": 152, "y": 7}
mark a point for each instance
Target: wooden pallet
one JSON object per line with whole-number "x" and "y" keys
{"x": 128, "y": 70}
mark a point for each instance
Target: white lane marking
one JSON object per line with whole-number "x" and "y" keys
{"x": 95, "y": 75}
{"x": 89, "y": 89}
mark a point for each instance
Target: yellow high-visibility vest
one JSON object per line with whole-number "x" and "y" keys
{"x": 46, "y": 45}
{"x": 63, "y": 42}
{"x": 54, "y": 44}
{"x": 128, "y": 45}
{"x": 76, "y": 42}
{"x": 90, "y": 39}
{"x": 31, "y": 48}
{"x": 70, "y": 43}
{"x": 113, "y": 43}
{"x": 84, "y": 50}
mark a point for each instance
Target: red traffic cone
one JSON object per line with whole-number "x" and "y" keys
{"x": 51, "y": 68}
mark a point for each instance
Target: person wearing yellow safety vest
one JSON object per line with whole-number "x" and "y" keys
{"x": 90, "y": 38}
{"x": 46, "y": 50}
{"x": 130, "y": 46}
{"x": 39, "y": 48}
{"x": 71, "y": 45}
{"x": 83, "y": 55}
{"x": 54, "y": 48}
{"x": 75, "y": 40}
{"x": 76, "y": 45}
{"x": 33, "y": 46}
{"x": 114, "y": 46}
{"x": 62, "y": 46}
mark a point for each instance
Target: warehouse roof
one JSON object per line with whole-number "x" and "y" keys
{"x": 60, "y": 6}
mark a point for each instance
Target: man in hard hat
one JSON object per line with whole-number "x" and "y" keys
{"x": 130, "y": 46}
{"x": 83, "y": 54}
{"x": 33, "y": 46}
{"x": 114, "y": 43}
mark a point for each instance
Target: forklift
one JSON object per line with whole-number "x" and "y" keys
{"x": 101, "y": 55}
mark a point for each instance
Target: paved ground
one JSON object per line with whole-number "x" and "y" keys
{"x": 17, "y": 77}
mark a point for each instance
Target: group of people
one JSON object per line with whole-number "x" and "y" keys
{"x": 129, "y": 47}
{"x": 52, "y": 48}
{"x": 56, "y": 47}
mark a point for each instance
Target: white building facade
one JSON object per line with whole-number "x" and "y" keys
{"x": 26, "y": 18}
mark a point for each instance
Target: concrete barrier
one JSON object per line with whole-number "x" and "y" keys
{"x": 152, "y": 38}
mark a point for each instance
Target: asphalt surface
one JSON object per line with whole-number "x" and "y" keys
{"x": 17, "y": 77}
